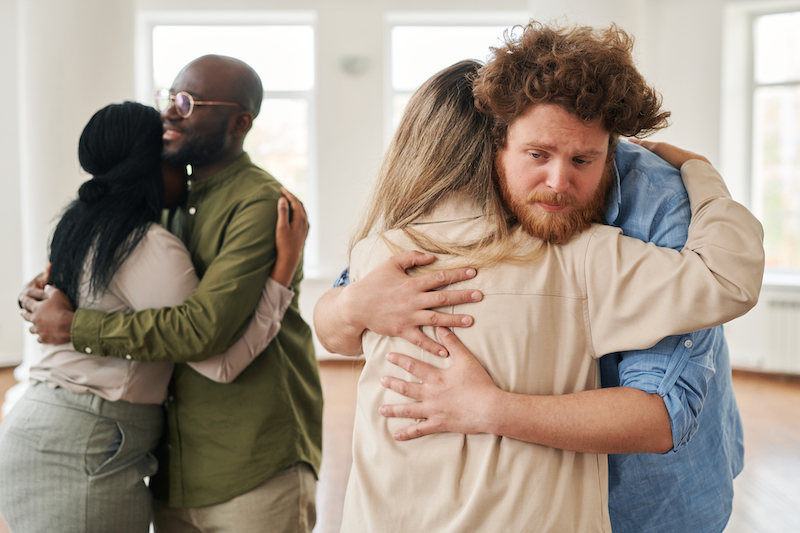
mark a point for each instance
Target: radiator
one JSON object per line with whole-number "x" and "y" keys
{"x": 783, "y": 335}
{"x": 767, "y": 338}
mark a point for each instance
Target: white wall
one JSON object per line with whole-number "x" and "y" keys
{"x": 11, "y": 328}
{"x": 64, "y": 59}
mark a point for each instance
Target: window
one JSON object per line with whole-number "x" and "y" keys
{"x": 421, "y": 46}
{"x": 283, "y": 56}
{"x": 760, "y": 130}
{"x": 776, "y": 135}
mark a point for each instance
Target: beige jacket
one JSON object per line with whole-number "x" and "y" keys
{"x": 539, "y": 330}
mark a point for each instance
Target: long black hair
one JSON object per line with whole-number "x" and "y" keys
{"x": 121, "y": 148}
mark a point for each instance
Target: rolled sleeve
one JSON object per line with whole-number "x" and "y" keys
{"x": 679, "y": 369}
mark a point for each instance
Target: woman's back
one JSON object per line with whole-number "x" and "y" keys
{"x": 158, "y": 273}
{"x": 531, "y": 336}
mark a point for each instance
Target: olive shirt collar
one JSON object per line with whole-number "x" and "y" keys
{"x": 215, "y": 180}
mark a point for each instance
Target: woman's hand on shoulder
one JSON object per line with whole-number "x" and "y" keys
{"x": 290, "y": 237}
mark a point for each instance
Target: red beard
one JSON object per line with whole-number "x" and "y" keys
{"x": 558, "y": 228}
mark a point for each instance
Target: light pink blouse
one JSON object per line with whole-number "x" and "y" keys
{"x": 158, "y": 273}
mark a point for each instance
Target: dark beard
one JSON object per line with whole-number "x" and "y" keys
{"x": 558, "y": 228}
{"x": 199, "y": 150}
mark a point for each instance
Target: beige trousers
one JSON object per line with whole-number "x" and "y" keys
{"x": 285, "y": 503}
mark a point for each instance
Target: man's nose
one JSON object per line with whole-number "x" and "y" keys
{"x": 558, "y": 178}
{"x": 171, "y": 113}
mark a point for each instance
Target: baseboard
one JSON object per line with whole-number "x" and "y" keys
{"x": 781, "y": 377}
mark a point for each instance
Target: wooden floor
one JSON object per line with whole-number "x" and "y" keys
{"x": 6, "y": 382}
{"x": 767, "y": 492}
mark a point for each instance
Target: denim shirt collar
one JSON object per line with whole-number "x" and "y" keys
{"x": 614, "y": 199}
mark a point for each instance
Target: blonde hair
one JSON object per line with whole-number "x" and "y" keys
{"x": 442, "y": 146}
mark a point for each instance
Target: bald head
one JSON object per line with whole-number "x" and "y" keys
{"x": 212, "y": 136}
{"x": 230, "y": 79}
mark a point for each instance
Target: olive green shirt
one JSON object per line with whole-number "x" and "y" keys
{"x": 224, "y": 439}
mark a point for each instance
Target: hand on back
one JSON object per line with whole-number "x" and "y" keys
{"x": 388, "y": 301}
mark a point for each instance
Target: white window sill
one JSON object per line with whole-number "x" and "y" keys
{"x": 776, "y": 279}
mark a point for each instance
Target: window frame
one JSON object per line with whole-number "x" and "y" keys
{"x": 739, "y": 88}
{"x": 394, "y": 19}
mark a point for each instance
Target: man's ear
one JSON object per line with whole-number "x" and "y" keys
{"x": 241, "y": 124}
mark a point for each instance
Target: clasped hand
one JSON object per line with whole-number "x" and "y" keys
{"x": 458, "y": 399}
{"x": 48, "y": 309}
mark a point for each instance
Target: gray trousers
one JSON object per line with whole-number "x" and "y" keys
{"x": 76, "y": 463}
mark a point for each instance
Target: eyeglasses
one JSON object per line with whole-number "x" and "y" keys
{"x": 184, "y": 103}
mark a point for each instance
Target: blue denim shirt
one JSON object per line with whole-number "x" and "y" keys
{"x": 690, "y": 488}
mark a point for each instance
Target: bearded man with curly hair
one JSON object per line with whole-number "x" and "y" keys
{"x": 680, "y": 390}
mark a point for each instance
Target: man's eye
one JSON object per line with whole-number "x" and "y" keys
{"x": 580, "y": 161}
{"x": 535, "y": 156}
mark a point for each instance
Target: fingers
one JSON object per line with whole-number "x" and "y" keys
{"x": 415, "y": 336}
{"x": 435, "y": 318}
{"x": 419, "y": 339}
{"x": 442, "y": 278}
{"x": 283, "y": 211}
{"x": 412, "y": 258}
{"x": 404, "y": 388}
{"x": 446, "y": 298}
{"x": 35, "y": 288}
{"x": 42, "y": 278}
{"x": 289, "y": 196}
{"x": 29, "y": 304}
{"x": 451, "y": 342}
{"x": 32, "y": 294}
{"x": 650, "y": 145}
{"x": 298, "y": 210}
{"x": 421, "y": 429}
{"x": 402, "y": 410}
{"x": 415, "y": 367}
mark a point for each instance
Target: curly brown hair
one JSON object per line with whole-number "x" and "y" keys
{"x": 589, "y": 72}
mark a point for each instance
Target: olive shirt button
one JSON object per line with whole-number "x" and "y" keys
{"x": 128, "y": 356}
{"x": 192, "y": 210}
{"x": 88, "y": 349}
